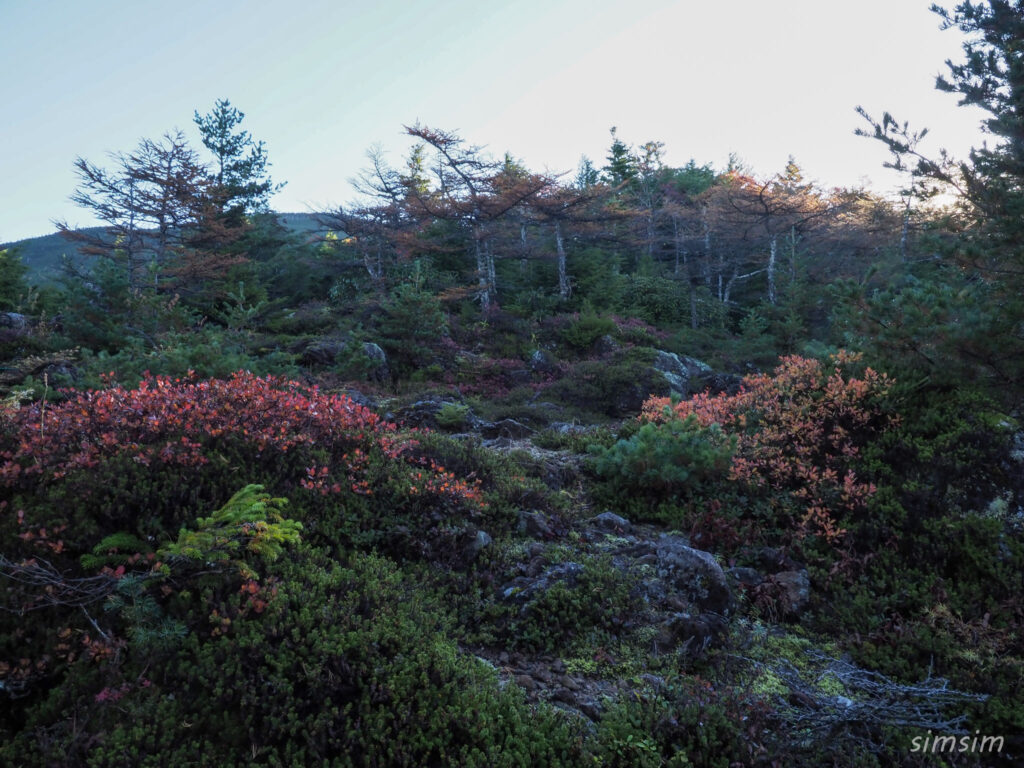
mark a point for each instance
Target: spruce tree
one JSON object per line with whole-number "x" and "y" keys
{"x": 240, "y": 163}
{"x": 978, "y": 330}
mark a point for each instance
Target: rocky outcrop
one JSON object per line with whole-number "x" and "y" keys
{"x": 327, "y": 352}
{"x": 687, "y": 375}
{"x": 509, "y": 428}
{"x": 794, "y": 591}
{"x": 380, "y": 371}
{"x": 14, "y": 320}
{"x": 423, "y": 412}
{"x": 542, "y": 361}
{"x": 686, "y": 578}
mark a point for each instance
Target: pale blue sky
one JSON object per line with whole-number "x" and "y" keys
{"x": 320, "y": 82}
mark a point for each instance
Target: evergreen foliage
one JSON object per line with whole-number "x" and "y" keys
{"x": 664, "y": 460}
{"x": 14, "y": 287}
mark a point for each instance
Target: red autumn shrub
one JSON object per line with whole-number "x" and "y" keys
{"x": 798, "y": 431}
{"x": 182, "y": 422}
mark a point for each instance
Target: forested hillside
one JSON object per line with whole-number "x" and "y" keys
{"x": 648, "y": 465}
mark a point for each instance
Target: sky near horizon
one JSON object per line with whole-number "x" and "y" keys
{"x": 320, "y": 82}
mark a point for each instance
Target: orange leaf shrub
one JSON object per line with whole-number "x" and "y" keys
{"x": 798, "y": 431}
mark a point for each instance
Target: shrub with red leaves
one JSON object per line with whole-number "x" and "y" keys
{"x": 182, "y": 431}
{"x": 798, "y": 431}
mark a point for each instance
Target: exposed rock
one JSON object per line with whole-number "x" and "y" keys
{"x": 748, "y": 577}
{"x": 775, "y": 560}
{"x": 564, "y": 428}
{"x": 694, "y": 633}
{"x": 60, "y": 373}
{"x": 611, "y": 523}
{"x": 380, "y": 372}
{"x": 535, "y": 549}
{"x": 15, "y": 320}
{"x": 479, "y": 542}
{"x": 567, "y": 682}
{"x": 717, "y": 383}
{"x": 688, "y": 375}
{"x": 523, "y": 588}
{"x": 657, "y": 683}
{"x": 526, "y": 682}
{"x": 589, "y": 707}
{"x": 565, "y": 696}
{"x": 359, "y": 398}
{"x": 536, "y": 566}
{"x": 677, "y": 372}
{"x": 423, "y": 413}
{"x": 321, "y": 353}
{"x": 556, "y": 468}
{"x": 535, "y": 524}
{"x": 692, "y": 574}
{"x": 509, "y": 428}
{"x": 542, "y": 361}
{"x": 794, "y": 591}
{"x": 629, "y": 399}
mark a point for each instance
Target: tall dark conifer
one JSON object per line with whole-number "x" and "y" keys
{"x": 240, "y": 163}
{"x": 980, "y": 323}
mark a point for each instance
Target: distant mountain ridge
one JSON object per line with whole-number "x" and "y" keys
{"x": 44, "y": 255}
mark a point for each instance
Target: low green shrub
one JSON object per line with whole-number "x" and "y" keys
{"x": 577, "y": 441}
{"x": 690, "y": 722}
{"x": 588, "y": 328}
{"x": 615, "y": 387}
{"x": 595, "y": 597}
{"x": 666, "y": 460}
{"x": 453, "y": 417}
{"x": 346, "y": 665}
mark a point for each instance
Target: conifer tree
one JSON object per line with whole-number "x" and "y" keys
{"x": 981, "y": 328}
{"x": 240, "y": 163}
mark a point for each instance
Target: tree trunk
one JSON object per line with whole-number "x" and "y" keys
{"x": 481, "y": 272}
{"x": 522, "y": 248}
{"x": 492, "y": 275}
{"x": 693, "y": 304}
{"x": 792, "y": 256}
{"x": 905, "y": 231}
{"x": 772, "y": 252}
{"x": 564, "y": 288}
{"x": 675, "y": 239}
{"x": 707, "y": 247}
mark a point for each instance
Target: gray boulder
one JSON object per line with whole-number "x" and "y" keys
{"x": 681, "y": 372}
{"x": 693, "y": 633}
{"x": 15, "y": 320}
{"x": 359, "y": 398}
{"x": 423, "y": 413}
{"x": 477, "y": 543}
{"x": 794, "y": 591}
{"x": 322, "y": 352}
{"x": 524, "y": 588}
{"x": 509, "y": 428}
{"x": 609, "y": 522}
{"x": 380, "y": 372}
{"x": 542, "y": 361}
{"x": 692, "y": 574}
